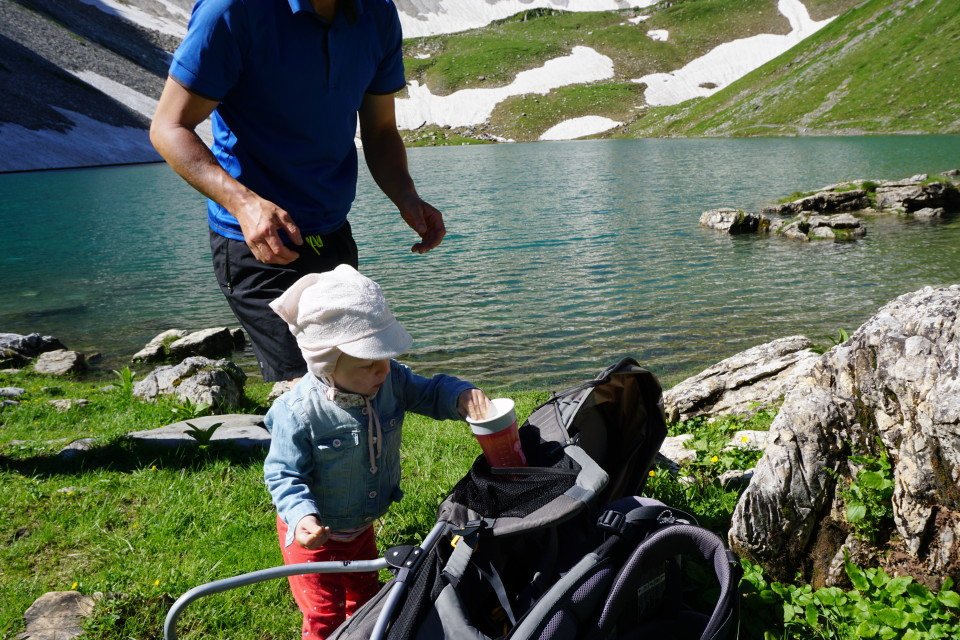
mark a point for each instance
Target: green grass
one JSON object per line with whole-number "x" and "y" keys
{"x": 872, "y": 70}
{"x": 492, "y": 56}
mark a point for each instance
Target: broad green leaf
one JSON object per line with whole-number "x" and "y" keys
{"x": 871, "y": 480}
{"x": 867, "y": 629}
{"x": 812, "y": 615}
{"x": 949, "y": 599}
{"x": 856, "y": 512}
{"x": 897, "y": 586}
{"x": 856, "y": 576}
{"x": 892, "y": 617}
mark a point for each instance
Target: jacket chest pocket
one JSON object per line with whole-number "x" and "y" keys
{"x": 340, "y": 456}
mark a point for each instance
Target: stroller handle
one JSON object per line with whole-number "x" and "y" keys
{"x": 358, "y": 566}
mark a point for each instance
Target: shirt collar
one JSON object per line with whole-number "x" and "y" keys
{"x": 306, "y": 5}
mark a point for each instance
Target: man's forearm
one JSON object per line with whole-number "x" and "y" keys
{"x": 386, "y": 157}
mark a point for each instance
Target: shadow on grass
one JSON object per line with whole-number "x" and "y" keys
{"x": 125, "y": 456}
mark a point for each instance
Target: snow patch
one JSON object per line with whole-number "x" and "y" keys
{"x": 660, "y": 35}
{"x": 638, "y": 19}
{"x": 132, "y": 99}
{"x": 729, "y": 61}
{"x": 469, "y": 107}
{"x": 432, "y": 17}
{"x": 579, "y": 127}
{"x": 174, "y": 23}
{"x": 88, "y": 143}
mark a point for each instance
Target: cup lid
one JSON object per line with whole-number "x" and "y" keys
{"x": 500, "y": 416}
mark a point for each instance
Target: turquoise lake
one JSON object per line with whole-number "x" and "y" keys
{"x": 560, "y": 258}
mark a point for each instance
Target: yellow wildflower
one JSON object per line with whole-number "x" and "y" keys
{"x": 714, "y": 459}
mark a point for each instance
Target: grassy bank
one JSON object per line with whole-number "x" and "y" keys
{"x": 144, "y": 524}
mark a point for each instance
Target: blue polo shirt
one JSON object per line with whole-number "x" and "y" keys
{"x": 289, "y": 85}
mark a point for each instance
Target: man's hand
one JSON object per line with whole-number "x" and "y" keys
{"x": 423, "y": 218}
{"x": 473, "y": 404}
{"x": 260, "y": 221}
{"x": 310, "y": 534}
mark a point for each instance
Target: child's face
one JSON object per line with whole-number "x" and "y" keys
{"x": 360, "y": 376}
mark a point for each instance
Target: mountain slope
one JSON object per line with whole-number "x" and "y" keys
{"x": 79, "y": 79}
{"x": 884, "y": 66}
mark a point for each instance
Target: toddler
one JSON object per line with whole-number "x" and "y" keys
{"x": 334, "y": 462}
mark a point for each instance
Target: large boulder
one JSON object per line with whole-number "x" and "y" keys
{"x": 827, "y": 200}
{"x": 893, "y": 389}
{"x": 16, "y": 349}
{"x": 218, "y": 383}
{"x": 918, "y": 193}
{"x": 157, "y": 350}
{"x": 743, "y": 383}
{"x": 60, "y": 362}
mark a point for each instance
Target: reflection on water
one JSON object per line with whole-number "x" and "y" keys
{"x": 560, "y": 257}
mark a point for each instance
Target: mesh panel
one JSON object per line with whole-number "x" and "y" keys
{"x": 516, "y": 495}
{"x": 424, "y": 590}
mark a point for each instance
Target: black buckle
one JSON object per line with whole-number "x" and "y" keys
{"x": 612, "y": 521}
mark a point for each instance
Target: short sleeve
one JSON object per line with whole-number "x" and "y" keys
{"x": 389, "y": 77}
{"x": 208, "y": 62}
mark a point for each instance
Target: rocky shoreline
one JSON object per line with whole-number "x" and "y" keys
{"x": 836, "y": 212}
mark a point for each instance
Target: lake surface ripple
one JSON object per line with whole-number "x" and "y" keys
{"x": 560, "y": 258}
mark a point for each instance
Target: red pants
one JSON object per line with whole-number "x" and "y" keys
{"x": 327, "y": 599}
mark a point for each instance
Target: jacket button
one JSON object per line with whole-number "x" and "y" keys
{"x": 363, "y": 411}
{"x": 337, "y": 443}
{"x": 373, "y": 494}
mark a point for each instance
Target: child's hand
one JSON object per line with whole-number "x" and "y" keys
{"x": 473, "y": 404}
{"x": 310, "y": 533}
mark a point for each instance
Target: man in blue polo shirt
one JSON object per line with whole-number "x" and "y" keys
{"x": 285, "y": 83}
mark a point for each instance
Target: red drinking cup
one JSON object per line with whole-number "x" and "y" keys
{"x": 498, "y": 435}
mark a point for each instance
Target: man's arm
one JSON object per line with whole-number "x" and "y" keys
{"x": 387, "y": 160}
{"x": 173, "y": 134}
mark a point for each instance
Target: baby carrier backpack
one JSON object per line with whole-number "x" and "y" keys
{"x": 562, "y": 549}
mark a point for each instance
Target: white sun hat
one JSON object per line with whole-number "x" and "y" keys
{"x": 340, "y": 311}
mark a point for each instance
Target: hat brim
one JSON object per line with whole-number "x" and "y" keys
{"x": 386, "y": 343}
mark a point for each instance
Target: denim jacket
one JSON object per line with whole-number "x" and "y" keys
{"x": 319, "y": 461}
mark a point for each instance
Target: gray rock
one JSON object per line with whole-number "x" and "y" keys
{"x": 930, "y": 212}
{"x": 279, "y": 388}
{"x": 77, "y": 447}
{"x": 11, "y": 392}
{"x": 65, "y": 404}
{"x": 824, "y": 201}
{"x": 743, "y": 383}
{"x": 60, "y": 363}
{"x": 734, "y": 220}
{"x": 896, "y": 381}
{"x": 217, "y": 342}
{"x": 912, "y": 196}
{"x": 57, "y": 615}
{"x": 18, "y": 349}
{"x": 673, "y": 449}
{"x": 245, "y": 430}
{"x": 157, "y": 349}
{"x": 735, "y": 478}
{"x": 218, "y": 383}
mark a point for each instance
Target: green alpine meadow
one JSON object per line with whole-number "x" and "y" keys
{"x": 881, "y": 66}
